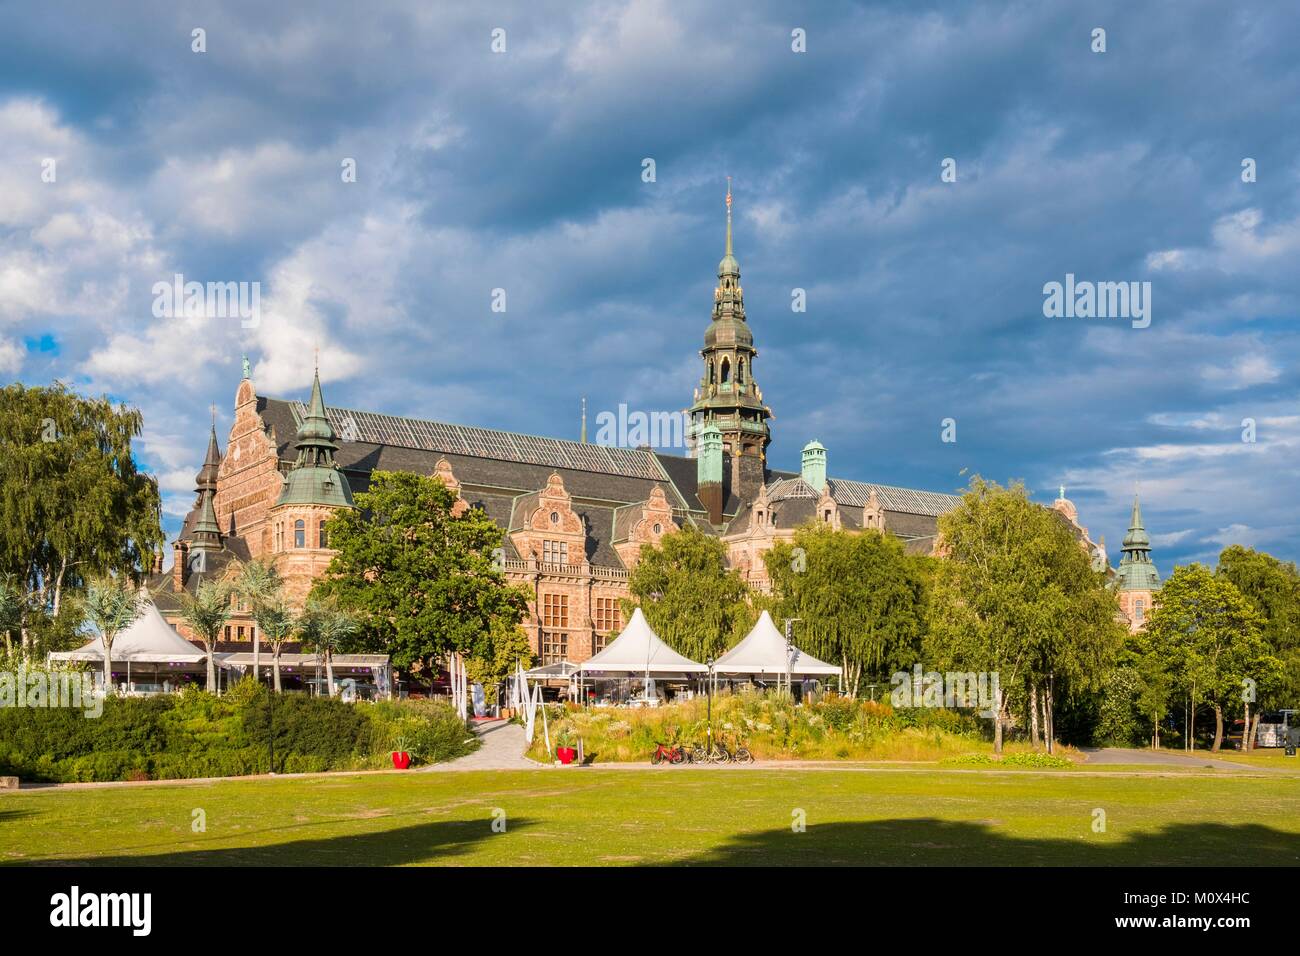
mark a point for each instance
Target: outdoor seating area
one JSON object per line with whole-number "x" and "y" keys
{"x": 150, "y": 657}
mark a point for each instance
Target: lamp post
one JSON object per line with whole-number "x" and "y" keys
{"x": 709, "y": 693}
{"x": 789, "y": 650}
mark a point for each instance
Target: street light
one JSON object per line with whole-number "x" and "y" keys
{"x": 709, "y": 693}
{"x": 789, "y": 649}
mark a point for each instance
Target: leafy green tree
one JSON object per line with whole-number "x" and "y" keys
{"x": 11, "y": 611}
{"x": 277, "y": 622}
{"x": 1273, "y": 587}
{"x": 1017, "y": 596}
{"x": 327, "y": 628}
{"x": 423, "y": 579}
{"x": 259, "y": 583}
{"x": 112, "y": 604}
{"x": 509, "y": 647}
{"x": 859, "y": 597}
{"x": 688, "y": 594}
{"x": 206, "y": 611}
{"x": 73, "y": 505}
{"x": 1209, "y": 636}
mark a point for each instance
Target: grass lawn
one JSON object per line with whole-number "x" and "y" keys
{"x": 912, "y": 816}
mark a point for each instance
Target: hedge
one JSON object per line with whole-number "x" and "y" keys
{"x": 196, "y": 734}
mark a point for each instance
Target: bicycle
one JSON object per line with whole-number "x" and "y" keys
{"x": 674, "y": 753}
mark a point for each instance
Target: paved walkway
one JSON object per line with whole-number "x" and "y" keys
{"x": 502, "y": 749}
{"x": 1134, "y": 756}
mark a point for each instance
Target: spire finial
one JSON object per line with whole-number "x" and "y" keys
{"x": 584, "y": 420}
{"x": 245, "y": 366}
{"x": 728, "y": 215}
{"x": 1062, "y": 494}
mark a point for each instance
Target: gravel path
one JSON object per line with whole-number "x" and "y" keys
{"x": 502, "y": 749}
{"x": 1133, "y": 756}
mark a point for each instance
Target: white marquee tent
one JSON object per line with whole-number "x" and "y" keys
{"x": 639, "y": 650}
{"x": 763, "y": 653}
{"x": 149, "y": 640}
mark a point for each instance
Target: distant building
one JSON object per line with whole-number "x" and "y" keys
{"x": 1137, "y": 580}
{"x": 576, "y": 515}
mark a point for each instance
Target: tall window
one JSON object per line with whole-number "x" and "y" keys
{"x": 609, "y": 617}
{"x": 323, "y": 537}
{"x": 555, "y": 647}
{"x": 555, "y": 610}
{"x": 555, "y": 552}
{"x": 300, "y": 534}
{"x": 1139, "y": 609}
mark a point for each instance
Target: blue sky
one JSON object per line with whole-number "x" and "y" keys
{"x": 522, "y": 170}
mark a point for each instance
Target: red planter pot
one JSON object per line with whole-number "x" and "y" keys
{"x": 401, "y": 759}
{"x": 566, "y": 754}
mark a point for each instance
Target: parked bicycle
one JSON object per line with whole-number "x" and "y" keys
{"x": 672, "y": 753}
{"x": 703, "y": 753}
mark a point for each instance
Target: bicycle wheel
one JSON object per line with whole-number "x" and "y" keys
{"x": 699, "y": 755}
{"x": 657, "y": 757}
{"x": 677, "y": 756}
{"x": 720, "y": 755}
{"x": 742, "y": 756}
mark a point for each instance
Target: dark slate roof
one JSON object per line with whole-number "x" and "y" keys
{"x": 161, "y": 586}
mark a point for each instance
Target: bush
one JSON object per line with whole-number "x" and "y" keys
{"x": 196, "y": 734}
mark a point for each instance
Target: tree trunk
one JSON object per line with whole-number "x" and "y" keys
{"x": 1254, "y": 728}
{"x": 58, "y": 585}
{"x": 1245, "y": 730}
{"x": 997, "y": 721}
{"x": 212, "y": 670}
{"x": 1033, "y": 715}
{"x": 275, "y": 660}
{"x": 1049, "y": 713}
{"x": 329, "y": 671}
{"x": 1218, "y": 728}
{"x": 108, "y": 667}
{"x": 1191, "y": 722}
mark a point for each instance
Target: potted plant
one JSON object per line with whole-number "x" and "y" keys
{"x": 401, "y": 753}
{"x": 564, "y": 746}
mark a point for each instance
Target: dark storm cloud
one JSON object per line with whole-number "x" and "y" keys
{"x": 522, "y": 171}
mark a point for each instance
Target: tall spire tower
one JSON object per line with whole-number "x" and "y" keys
{"x": 728, "y": 398}
{"x": 1137, "y": 577}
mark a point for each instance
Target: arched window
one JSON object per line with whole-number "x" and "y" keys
{"x": 726, "y": 371}
{"x": 740, "y": 373}
{"x": 710, "y": 371}
{"x": 300, "y": 534}
{"x": 323, "y": 536}
{"x": 1139, "y": 609}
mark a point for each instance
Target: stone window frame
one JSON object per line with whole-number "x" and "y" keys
{"x": 299, "y": 534}
{"x": 554, "y": 611}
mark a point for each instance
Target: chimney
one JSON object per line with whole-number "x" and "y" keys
{"x": 708, "y": 463}
{"x": 813, "y": 468}
{"x": 180, "y": 564}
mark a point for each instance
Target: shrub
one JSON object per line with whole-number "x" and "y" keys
{"x": 196, "y": 734}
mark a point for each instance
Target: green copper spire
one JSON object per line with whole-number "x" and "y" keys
{"x": 315, "y": 478}
{"x": 1136, "y": 570}
{"x": 728, "y": 266}
{"x": 205, "y": 532}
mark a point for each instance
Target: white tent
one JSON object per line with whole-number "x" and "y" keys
{"x": 149, "y": 640}
{"x": 638, "y": 650}
{"x": 763, "y": 652}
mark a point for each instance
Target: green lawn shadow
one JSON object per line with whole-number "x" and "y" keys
{"x": 933, "y": 842}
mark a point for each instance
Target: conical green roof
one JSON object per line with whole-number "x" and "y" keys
{"x": 315, "y": 479}
{"x": 1136, "y": 571}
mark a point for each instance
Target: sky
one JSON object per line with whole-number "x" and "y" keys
{"x": 516, "y": 161}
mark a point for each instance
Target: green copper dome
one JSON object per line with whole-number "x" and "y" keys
{"x": 315, "y": 479}
{"x": 1136, "y": 571}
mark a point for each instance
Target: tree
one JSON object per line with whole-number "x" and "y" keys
{"x": 859, "y": 596}
{"x": 1208, "y": 634}
{"x": 259, "y": 583}
{"x": 509, "y": 648}
{"x": 326, "y": 628}
{"x": 688, "y": 594}
{"x": 421, "y": 574}
{"x": 1273, "y": 587}
{"x": 1017, "y": 596}
{"x": 277, "y": 620}
{"x": 73, "y": 505}
{"x": 112, "y": 605}
{"x": 206, "y": 611}
{"x": 11, "y": 610}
